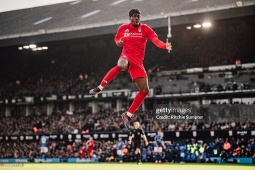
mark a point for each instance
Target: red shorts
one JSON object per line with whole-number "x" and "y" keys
{"x": 136, "y": 68}
{"x": 90, "y": 150}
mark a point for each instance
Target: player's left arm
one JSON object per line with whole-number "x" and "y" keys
{"x": 154, "y": 38}
{"x": 161, "y": 44}
{"x": 144, "y": 138}
{"x": 163, "y": 144}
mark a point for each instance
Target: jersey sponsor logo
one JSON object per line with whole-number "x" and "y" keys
{"x": 138, "y": 34}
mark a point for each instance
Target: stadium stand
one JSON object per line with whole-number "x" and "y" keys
{"x": 195, "y": 151}
{"x": 218, "y": 117}
{"x": 67, "y": 16}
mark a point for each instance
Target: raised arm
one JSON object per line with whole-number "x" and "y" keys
{"x": 161, "y": 44}
{"x": 154, "y": 38}
{"x": 118, "y": 37}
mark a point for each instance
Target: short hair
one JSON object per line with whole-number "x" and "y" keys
{"x": 134, "y": 11}
{"x": 137, "y": 123}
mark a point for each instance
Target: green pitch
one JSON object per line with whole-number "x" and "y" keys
{"x": 127, "y": 166}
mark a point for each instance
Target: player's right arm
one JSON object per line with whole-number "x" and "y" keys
{"x": 156, "y": 143}
{"x": 119, "y": 37}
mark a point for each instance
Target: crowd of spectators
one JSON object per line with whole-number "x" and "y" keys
{"x": 216, "y": 117}
{"x": 190, "y": 150}
{"x": 60, "y": 122}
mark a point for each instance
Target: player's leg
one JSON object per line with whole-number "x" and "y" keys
{"x": 138, "y": 153}
{"x": 120, "y": 154}
{"x": 122, "y": 65}
{"x": 138, "y": 156}
{"x": 91, "y": 154}
{"x": 156, "y": 154}
{"x": 41, "y": 153}
{"x": 159, "y": 154}
{"x": 142, "y": 84}
{"x": 157, "y": 157}
{"x": 44, "y": 151}
{"x": 81, "y": 155}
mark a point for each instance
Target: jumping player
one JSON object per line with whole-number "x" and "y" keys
{"x": 158, "y": 147}
{"x": 120, "y": 146}
{"x": 90, "y": 144}
{"x": 137, "y": 134}
{"x": 132, "y": 37}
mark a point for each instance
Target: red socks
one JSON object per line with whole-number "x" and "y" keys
{"x": 110, "y": 75}
{"x": 137, "y": 101}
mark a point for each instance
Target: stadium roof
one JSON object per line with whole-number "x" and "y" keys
{"x": 86, "y": 14}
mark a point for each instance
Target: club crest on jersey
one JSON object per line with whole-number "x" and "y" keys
{"x": 126, "y": 33}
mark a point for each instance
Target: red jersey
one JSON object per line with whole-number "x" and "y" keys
{"x": 90, "y": 143}
{"x": 135, "y": 39}
{"x": 82, "y": 150}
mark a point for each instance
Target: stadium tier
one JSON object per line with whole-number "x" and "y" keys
{"x": 88, "y": 14}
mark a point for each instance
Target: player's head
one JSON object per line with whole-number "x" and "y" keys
{"x": 134, "y": 15}
{"x": 159, "y": 132}
{"x": 120, "y": 139}
{"x": 90, "y": 138}
{"x": 136, "y": 125}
